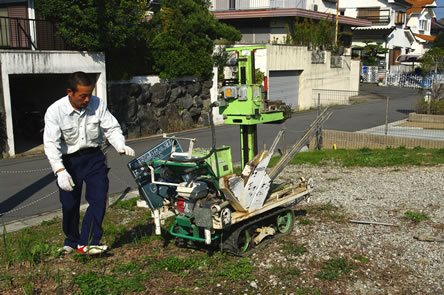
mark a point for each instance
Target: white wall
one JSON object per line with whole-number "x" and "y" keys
{"x": 46, "y": 62}
{"x": 313, "y": 76}
{"x": 323, "y": 6}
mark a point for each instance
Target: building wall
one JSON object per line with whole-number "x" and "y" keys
{"x": 46, "y": 62}
{"x": 313, "y": 76}
{"x": 322, "y": 6}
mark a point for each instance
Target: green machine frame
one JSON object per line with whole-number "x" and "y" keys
{"x": 243, "y": 102}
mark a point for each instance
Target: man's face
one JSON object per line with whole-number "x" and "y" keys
{"x": 80, "y": 99}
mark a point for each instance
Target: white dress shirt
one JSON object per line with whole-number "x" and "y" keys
{"x": 68, "y": 130}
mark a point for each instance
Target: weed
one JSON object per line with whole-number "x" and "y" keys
{"x": 416, "y": 216}
{"x": 334, "y": 268}
{"x": 176, "y": 265}
{"x": 327, "y": 211}
{"x": 129, "y": 204}
{"x": 287, "y": 272}
{"x": 304, "y": 221}
{"x": 28, "y": 288}
{"x": 238, "y": 269}
{"x": 307, "y": 291}
{"x": 123, "y": 268}
{"x": 6, "y": 257}
{"x": 292, "y": 249}
{"x": 94, "y": 283}
{"x": 362, "y": 259}
{"x": 53, "y": 221}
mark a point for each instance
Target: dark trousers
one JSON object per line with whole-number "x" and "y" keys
{"x": 89, "y": 168}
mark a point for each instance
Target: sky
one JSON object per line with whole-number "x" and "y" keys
{"x": 440, "y": 9}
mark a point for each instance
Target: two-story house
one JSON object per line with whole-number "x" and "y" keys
{"x": 388, "y": 27}
{"x": 420, "y": 17}
{"x": 34, "y": 64}
{"x": 296, "y": 74}
{"x": 267, "y": 21}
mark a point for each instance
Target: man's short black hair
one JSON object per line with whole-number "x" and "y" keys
{"x": 79, "y": 78}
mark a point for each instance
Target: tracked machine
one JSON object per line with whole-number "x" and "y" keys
{"x": 209, "y": 203}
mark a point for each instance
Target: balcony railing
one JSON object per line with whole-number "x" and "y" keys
{"x": 22, "y": 33}
{"x": 376, "y": 16}
{"x": 223, "y": 5}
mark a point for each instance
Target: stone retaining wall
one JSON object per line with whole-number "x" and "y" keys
{"x": 423, "y": 118}
{"x": 145, "y": 109}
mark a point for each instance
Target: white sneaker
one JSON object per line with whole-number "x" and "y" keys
{"x": 92, "y": 249}
{"x": 65, "y": 249}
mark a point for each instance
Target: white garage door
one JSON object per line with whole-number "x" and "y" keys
{"x": 284, "y": 85}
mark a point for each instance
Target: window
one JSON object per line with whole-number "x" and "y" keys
{"x": 422, "y": 25}
{"x": 4, "y": 27}
{"x": 400, "y": 16}
{"x": 376, "y": 15}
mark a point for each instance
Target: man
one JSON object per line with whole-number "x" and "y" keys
{"x": 72, "y": 136}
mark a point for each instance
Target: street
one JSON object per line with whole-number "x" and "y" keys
{"x": 27, "y": 185}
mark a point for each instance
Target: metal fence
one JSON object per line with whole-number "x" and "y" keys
{"x": 413, "y": 81}
{"x": 325, "y": 97}
{"x": 22, "y": 33}
{"x": 369, "y": 74}
{"x": 221, "y": 5}
{"x": 388, "y": 130}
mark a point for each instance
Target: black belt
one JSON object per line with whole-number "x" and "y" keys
{"x": 82, "y": 152}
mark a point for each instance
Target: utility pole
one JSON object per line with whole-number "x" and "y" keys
{"x": 337, "y": 23}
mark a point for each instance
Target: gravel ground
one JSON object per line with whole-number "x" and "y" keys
{"x": 396, "y": 261}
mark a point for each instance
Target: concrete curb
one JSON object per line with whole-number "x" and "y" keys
{"x": 38, "y": 219}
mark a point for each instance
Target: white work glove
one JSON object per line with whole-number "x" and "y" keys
{"x": 65, "y": 181}
{"x": 127, "y": 151}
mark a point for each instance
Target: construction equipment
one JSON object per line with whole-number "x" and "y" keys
{"x": 243, "y": 102}
{"x": 211, "y": 205}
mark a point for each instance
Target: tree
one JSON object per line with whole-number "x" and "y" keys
{"x": 371, "y": 53}
{"x": 184, "y": 32}
{"x": 433, "y": 60}
{"x": 117, "y": 27}
{"x": 439, "y": 41}
{"x": 312, "y": 33}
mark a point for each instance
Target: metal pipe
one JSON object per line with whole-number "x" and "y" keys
{"x": 156, "y": 215}
{"x": 207, "y": 236}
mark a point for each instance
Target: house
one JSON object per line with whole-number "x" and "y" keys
{"x": 296, "y": 75}
{"x": 34, "y": 64}
{"x": 267, "y": 21}
{"x": 420, "y": 17}
{"x": 388, "y": 18}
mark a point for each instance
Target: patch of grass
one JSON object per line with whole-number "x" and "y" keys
{"x": 334, "y": 268}
{"x": 123, "y": 268}
{"x": 327, "y": 211}
{"x": 304, "y": 221}
{"x": 286, "y": 272}
{"x": 362, "y": 259}
{"x": 53, "y": 221}
{"x": 95, "y": 283}
{"x": 307, "y": 291}
{"x": 129, "y": 204}
{"x": 176, "y": 264}
{"x": 416, "y": 216}
{"x": 372, "y": 158}
{"x": 26, "y": 246}
{"x": 236, "y": 269}
{"x": 293, "y": 249}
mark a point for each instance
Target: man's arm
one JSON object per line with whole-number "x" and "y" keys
{"x": 52, "y": 142}
{"x": 112, "y": 131}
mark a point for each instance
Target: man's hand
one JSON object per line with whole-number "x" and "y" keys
{"x": 65, "y": 181}
{"x": 127, "y": 151}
